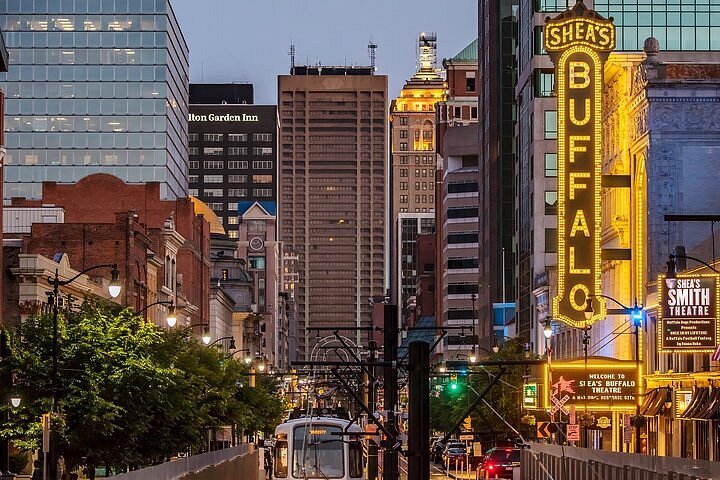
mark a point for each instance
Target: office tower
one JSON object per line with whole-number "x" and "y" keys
{"x": 233, "y": 151}
{"x": 333, "y": 141}
{"x": 94, "y": 87}
{"x": 412, "y": 173}
{"x": 3, "y": 68}
{"x": 496, "y": 105}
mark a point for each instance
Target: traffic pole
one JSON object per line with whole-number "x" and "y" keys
{"x": 419, "y": 414}
{"x": 390, "y": 459}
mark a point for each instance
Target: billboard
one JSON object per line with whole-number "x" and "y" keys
{"x": 688, "y": 313}
{"x": 578, "y": 41}
{"x": 604, "y": 384}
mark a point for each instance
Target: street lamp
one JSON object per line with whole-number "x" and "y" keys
{"x": 547, "y": 330}
{"x": 231, "y": 345}
{"x": 15, "y": 399}
{"x": 495, "y": 347}
{"x": 171, "y": 318}
{"x": 206, "y": 331}
{"x": 261, "y": 365}
{"x": 672, "y": 268}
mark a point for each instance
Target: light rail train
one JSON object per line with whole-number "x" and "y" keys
{"x": 318, "y": 445}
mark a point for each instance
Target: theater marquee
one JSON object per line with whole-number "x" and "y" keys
{"x": 579, "y": 41}
{"x": 688, "y": 313}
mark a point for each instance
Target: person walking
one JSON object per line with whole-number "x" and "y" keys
{"x": 37, "y": 470}
{"x": 268, "y": 463}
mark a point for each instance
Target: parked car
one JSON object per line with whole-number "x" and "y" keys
{"x": 454, "y": 454}
{"x": 500, "y": 462}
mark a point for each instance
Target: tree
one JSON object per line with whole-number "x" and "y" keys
{"x": 131, "y": 393}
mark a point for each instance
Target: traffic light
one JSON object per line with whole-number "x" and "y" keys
{"x": 637, "y": 315}
{"x": 467, "y": 423}
{"x": 453, "y": 383}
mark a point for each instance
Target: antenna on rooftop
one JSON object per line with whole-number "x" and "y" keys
{"x": 292, "y": 57}
{"x": 371, "y": 52}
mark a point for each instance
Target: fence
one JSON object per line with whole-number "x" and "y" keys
{"x": 553, "y": 462}
{"x": 194, "y": 465}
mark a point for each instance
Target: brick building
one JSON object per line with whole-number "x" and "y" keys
{"x": 162, "y": 247}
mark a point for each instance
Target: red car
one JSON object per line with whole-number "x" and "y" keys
{"x": 501, "y": 462}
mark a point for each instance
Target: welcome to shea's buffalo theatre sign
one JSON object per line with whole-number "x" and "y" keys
{"x": 579, "y": 41}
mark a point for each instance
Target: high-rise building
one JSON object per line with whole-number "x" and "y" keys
{"x": 233, "y": 152}
{"x": 95, "y": 87}
{"x": 683, "y": 37}
{"x": 333, "y": 141}
{"x": 497, "y": 72}
{"x": 412, "y": 165}
{"x": 3, "y": 68}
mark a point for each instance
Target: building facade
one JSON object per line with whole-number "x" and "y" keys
{"x": 3, "y": 68}
{"x": 412, "y": 162}
{"x": 94, "y": 90}
{"x": 333, "y": 139}
{"x": 233, "y": 153}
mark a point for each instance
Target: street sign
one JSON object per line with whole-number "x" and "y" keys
{"x": 627, "y": 434}
{"x": 572, "y": 415}
{"x": 603, "y": 422}
{"x": 530, "y": 395}
{"x": 559, "y": 405}
{"x": 45, "y": 432}
{"x": 469, "y": 436}
{"x": 543, "y": 429}
{"x": 573, "y": 433}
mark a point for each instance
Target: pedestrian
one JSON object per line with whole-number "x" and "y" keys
{"x": 268, "y": 463}
{"x": 37, "y": 470}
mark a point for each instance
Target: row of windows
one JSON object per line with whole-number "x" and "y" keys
{"x": 418, "y": 172}
{"x": 232, "y": 192}
{"x": 232, "y": 165}
{"x": 88, "y": 56}
{"x": 231, "y": 151}
{"x": 470, "y": 237}
{"x": 424, "y": 159}
{"x": 81, "y": 73}
{"x": 86, "y": 157}
{"x": 85, "y": 107}
{"x": 86, "y": 124}
{"x": 464, "y": 187}
{"x": 86, "y": 39}
{"x": 122, "y": 90}
{"x": 418, "y": 198}
{"x": 231, "y": 137}
{"x": 257, "y": 179}
{"x": 86, "y": 140}
{"x": 90, "y": 23}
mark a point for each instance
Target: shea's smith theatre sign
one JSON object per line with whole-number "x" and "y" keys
{"x": 578, "y": 41}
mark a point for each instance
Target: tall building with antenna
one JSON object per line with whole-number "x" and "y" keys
{"x": 412, "y": 169}
{"x": 332, "y": 154}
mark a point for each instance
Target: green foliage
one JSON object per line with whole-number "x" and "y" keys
{"x": 505, "y": 397}
{"x": 131, "y": 393}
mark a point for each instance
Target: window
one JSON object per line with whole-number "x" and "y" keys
{"x": 470, "y": 82}
{"x": 213, "y": 192}
{"x": 193, "y": 192}
{"x": 194, "y": 164}
{"x": 417, "y": 172}
{"x": 551, "y": 240}
{"x": 213, "y": 150}
{"x": 232, "y": 234}
{"x": 262, "y": 165}
{"x": 193, "y": 137}
{"x": 237, "y": 192}
{"x": 403, "y": 133}
{"x": 213, "y": 137}
{"x": 403, "y": 172}
{"x": 355, "y": 463}
{"x": 417, "y": 198}
{"x": 417, "y": 185}
{"x": 280, "y": 462}
{"x": 403, "y": 146}
{"x": 262, "y": 178}
{"x": 551, "y": 198}
{"x": 473, "y": 112}
{"x": 192, "y": 178}
{"x": 194, "y": 151}
{"x": 262, "y": 192}
{"x": 551, "y": 123}
{"x": 262, "y": 151}
{"x": 213, "y": 178}
{"x": 256, "y": 262}
{"x": 237, "y": 150}
{"x": 403, "y": 159}
{"x": 544, "y": 83}
{"x": 232, "y": 220}
{"x": 403, "y": 199}
{"x": 309, "y": 446}
{"x": 215, "y": 207}
{"x": 551, "y": 167}
{"x": 237, "y": 178}
{"x": 232, "y": 207}
{"x": 237, "y": 137}
{"x": 457, "y": 112}
{"x": 403, "y": 121}
{"x": 403, "y": 185}
{"x": 417, "y": 159}
{"x": 237, "y": 165}
{"x": 213, "y": 164}
{"x": 262, "y": 137}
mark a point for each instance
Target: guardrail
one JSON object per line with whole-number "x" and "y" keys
{"x": 181, "y": 467}
{"x": 545, "y": 462}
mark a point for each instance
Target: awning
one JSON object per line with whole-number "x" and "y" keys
{"x": 699, "y": 396}
{"x": 710, "y": 408}
{"x": 654, "y": 401}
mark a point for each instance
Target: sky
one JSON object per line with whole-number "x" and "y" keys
{"x": 249, "y": 40}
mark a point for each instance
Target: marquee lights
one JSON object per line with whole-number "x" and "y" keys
{"x": 578, "y": 41}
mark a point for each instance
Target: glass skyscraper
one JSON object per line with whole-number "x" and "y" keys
{"x": 94, "y": 86}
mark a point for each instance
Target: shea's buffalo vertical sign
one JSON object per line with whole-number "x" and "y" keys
{"x": 688, "y": 313}
{"x": 578, "y": 41}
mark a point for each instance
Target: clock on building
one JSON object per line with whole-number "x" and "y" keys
{"x": 256, "y": 243}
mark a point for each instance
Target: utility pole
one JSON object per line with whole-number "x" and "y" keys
{"x": 419, "y": 415}
{"x": 390, "y": 460}
{"x": 372, "y": 465}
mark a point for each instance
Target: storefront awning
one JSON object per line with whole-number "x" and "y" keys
{"x": 710, "y": 409}
{"x": 654, "y": 401}
{"x": 697, "y": 402}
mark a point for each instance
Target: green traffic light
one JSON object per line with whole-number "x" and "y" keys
{"x": 453, "y": 386}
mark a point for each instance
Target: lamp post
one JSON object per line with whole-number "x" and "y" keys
{"x": 171, "y": 318}
{"x": 231, "y": 345}
{"x": 636, "y": 314}
{"x": 473, "y": 357}
{"x": 114, "y": 288}
{"x": 206, "y": 331}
